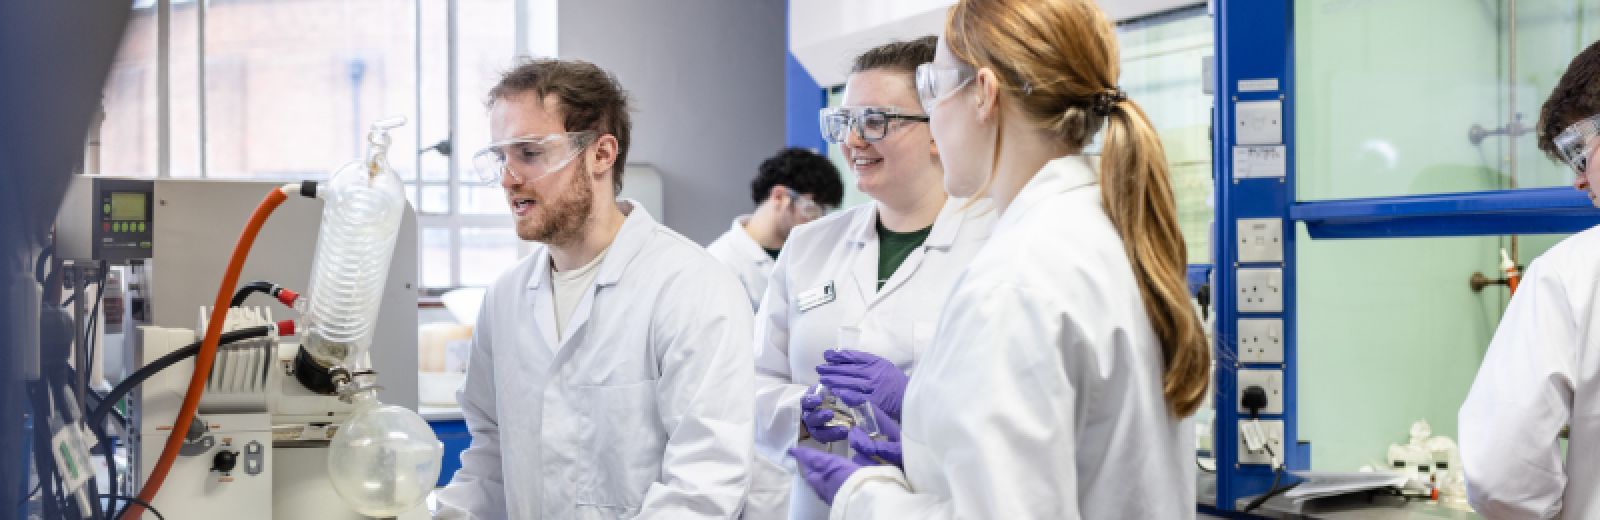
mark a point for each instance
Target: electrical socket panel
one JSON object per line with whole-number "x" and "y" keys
{"x": 1260, "y": 340}
{"x": 1260, "y": 289}
{"x": 1269, "y": 380}
{"x": 1260, "y": 240}
{"x": 1274, "y": 433}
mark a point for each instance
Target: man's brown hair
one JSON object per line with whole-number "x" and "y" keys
{"x": 590, "y": 98}
{"x": 1576, "y": 97}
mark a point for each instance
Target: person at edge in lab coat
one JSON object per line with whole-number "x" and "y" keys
{"x": 793, "y": 187}
{"x": 610, "y": 369}
{"x": 1068, "y": 358}
{"x": 880, "y": 270}
{"x": 1540, "y": 372}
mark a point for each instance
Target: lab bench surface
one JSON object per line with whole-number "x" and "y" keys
{"x": 1348, "y": 507}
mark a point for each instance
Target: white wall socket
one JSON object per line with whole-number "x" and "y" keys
{"x": 1260, "y": 290}
{"x": 1269, "y": 380}
{"x": 1260, "y": 239}
{"x": 1261, "y": 340}
{"x": 1274, "y": 431}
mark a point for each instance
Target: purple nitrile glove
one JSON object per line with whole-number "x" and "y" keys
{"x": 823, "y": 471}
{"x": 872, "y": 452}
{"x": 815, "y": 419}
{"x": 855, "y": 376}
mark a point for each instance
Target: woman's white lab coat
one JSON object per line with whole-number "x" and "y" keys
{"x": 797, "y": 320}
{"x": 1041, "y": 395}
{"x": 1541, "y": 373}
{"x": 642, "y": 409}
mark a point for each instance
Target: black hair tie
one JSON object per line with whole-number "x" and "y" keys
{"x": 1106, "y": 100}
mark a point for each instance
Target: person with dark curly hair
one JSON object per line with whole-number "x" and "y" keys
{"x": 793, "y": 187}
{"x": 1539, "y": 375}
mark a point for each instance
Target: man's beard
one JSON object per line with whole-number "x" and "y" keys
{"x": 564, "y": 217}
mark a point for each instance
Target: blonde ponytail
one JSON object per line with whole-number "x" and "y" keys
{"x": 1137, "y": 194}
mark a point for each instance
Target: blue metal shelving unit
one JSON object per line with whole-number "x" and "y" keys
{"x": 1254, "y": 63}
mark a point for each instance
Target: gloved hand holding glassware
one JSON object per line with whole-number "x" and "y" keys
{"x": 825, "y": 472}
{"x": 858, "y": 377}
{"x": 825, "y": 406}
{"x": 872, "y": 450}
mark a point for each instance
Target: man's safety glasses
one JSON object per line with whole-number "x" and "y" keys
{"x": 530, "y": 157}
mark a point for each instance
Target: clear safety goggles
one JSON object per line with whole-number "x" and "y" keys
{"x": 871, "y": 123}
{"x": 529, "y": 158}
{"x": 806, "y": 206}
{"x": 1574, "y": 143}
{"x": 935, "y": 82}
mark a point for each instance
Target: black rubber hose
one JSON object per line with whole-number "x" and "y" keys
{"x": 138, "y": 376}
{"x": 245, "y": 291}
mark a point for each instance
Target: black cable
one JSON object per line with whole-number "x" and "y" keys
{"x": 135, "y": 500}
{"x": 94, "y": 313}
{"x": 244, "y": 292}
{"x": 1272, "y": 490}
{"x": 139, "y": 376}
{"x": 41, "y": 450}
{"x": 38, "y": 266}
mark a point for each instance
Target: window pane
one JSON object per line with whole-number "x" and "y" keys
{"x": 435, "y": 200}
{"x": 435, "y": 260}
{"x": 128, "y": 134}
{"x": 411, "y": 196}
{"x": 183, "y": 87}
{"x": 486, "y": 40}
{"x": 433, "y": 87}
{"x": 291, "y": 87}
{"x": 485, "y": 253}
{"x": 483, "y": 200}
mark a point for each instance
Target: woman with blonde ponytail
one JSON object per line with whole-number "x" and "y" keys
{"x": 1068, "y": 359}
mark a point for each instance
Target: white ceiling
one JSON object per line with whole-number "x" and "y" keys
{"x": 825, "y": 35}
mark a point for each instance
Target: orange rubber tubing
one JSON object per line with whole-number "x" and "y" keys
{"x": 208, "y": 352}
{"x": 1512, "y": 279}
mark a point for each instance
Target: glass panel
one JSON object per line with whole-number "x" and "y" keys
{"x": 128, "y": 134}
{"x": 483, "y": 200}
{"x": 436, "y": 263}
{"x": 1549, "y": 34}
{"x": 486, "y": 252}
{"x": 292, "y": 99}
{"x": 1162, "y": 71}
{"x": 1421, "y": 337}
{"x": 1379, "y": 115}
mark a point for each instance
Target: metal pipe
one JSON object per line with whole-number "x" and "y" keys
{"x": 451, "y": 86}
{"x": 200, "y": 77}
{"x": 1511, "y": 95}
{"x": 163, "y": 89}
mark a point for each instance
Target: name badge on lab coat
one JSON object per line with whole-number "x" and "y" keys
{"x": 815, "y": 298}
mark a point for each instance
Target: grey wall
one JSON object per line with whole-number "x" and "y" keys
{"x": 706, "y": 79}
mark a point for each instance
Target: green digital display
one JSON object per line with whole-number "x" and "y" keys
{"x": 127, "y": 206}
